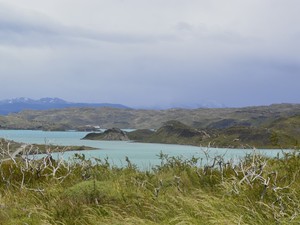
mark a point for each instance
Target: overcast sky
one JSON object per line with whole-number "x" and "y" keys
{"x": 151, "y": 52}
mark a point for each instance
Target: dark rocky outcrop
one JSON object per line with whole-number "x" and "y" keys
{"x": 178, "y": 129}
{"x": 175, "y": 132}
{"x": 140, "y": 135}
{"x": 113, "y": 134}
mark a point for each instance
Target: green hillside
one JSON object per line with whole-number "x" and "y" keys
{"x": 81, "y": 118}
{"x": 281, "y": 133}
{"x": 175, "y": 132}
{"x": 275, "y": 126}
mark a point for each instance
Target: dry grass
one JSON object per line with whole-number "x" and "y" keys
{"x": 258, "y": 190}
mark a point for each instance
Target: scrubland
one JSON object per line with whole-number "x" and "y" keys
{"x": 209, "y": 190}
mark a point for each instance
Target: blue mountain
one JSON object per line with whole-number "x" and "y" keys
{"x": 16, "y": 105}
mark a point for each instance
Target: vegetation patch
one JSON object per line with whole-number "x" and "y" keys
{"x": 256, "y": 190}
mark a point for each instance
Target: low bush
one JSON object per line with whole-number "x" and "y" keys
{"x": 256, "y": 190}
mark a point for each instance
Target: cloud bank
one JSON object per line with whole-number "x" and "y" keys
{"x": 151, "y": 53}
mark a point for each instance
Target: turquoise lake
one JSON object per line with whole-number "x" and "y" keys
{"x": 144, "y": 155}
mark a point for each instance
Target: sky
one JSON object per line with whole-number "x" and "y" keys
{"x": 158, "y": 53}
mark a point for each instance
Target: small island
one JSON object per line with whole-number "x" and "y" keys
{"x": 113, "y": 134}
{"x": 282, "y": 133}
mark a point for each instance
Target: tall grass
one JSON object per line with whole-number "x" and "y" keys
{"x": 257, "y": 190}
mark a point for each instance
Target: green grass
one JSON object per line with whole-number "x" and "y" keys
{"x": 258, "y": 190}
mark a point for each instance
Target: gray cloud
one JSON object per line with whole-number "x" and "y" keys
{"x": 151, "y": 53}
{"x": 22, "y": 29}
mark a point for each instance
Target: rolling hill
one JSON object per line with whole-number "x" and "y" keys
{"x": 86, "y": 117}
{"x": 273, "y": 126}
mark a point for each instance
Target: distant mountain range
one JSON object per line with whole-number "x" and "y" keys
{"x": 202, "y": 104}
{"x": 16, "y": 105}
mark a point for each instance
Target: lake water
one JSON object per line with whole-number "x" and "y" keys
{"x": 144, "y": 155}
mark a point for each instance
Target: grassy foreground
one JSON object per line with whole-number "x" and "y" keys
{"x": 258, "y": 190}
